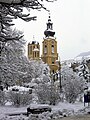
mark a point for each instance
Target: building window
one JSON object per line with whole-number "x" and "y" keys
{"x": 45, "y": 49}
{"x": 38, "y": 46}
{"x": 38, "y": 54}
{"x": 35, "y": 54}
{"x": 52, "y": 48}
{"x": 53, "y": 59}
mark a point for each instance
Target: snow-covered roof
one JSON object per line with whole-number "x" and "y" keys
{"x": 34, "y": 42}
{"x": 50, "y": 37}
{"x": 20, "y": 88}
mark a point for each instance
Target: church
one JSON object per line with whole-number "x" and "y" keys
{"x": 49, "y": 48}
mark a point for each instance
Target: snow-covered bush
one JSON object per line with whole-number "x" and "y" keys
{"x": 44, "y": 90}
{"x": 47, "y": 93}
{"x": 20, "y": 98}
{"x": 72, "y": 91}
{"x": 39, "y": 68}
{"x": 2, "y": 97}
{"x": 72, "y": 84}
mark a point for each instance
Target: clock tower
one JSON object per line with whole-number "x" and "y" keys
{"x": 49, "y": 47}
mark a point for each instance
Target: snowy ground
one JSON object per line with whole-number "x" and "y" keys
{"x": 60, "y": 110}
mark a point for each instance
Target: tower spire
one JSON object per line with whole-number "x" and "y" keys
{"x": 49, "y": 31}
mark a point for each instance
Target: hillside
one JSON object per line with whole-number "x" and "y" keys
{"x": 84, "y": 54}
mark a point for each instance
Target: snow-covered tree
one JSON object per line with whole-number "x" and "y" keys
{"x": 44, "y": 85}
{"x": 14, "y": 9}
{"x": 84, "y": 70}
{"x": 14, "y": 66}
{"x": 72, "y": 84}
{"x": 2, "y": 97}
{"x": 19, "y": 97}
{"x": 47, "y": 94}
{"x": 88, "y": 65}
{"x": 39, "y": 68}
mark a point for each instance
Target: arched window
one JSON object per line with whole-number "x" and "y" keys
{"x": 45, "y": 49}
{"x": 52, "y": 48}
{"x": 35, "y": 54}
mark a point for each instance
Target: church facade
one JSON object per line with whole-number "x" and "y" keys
{"x": 49, "y": 48}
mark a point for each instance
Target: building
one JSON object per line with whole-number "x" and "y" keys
{"x": 34, "y": 50}
{"x": 49, "y": 48}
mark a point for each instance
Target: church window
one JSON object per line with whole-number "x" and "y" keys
{"x": 33, "y": 47}
{"x": 53, "y": 60}
{"x": 45, "y": 49}
{"x": 52, "y": 48}
{"x": 35, "y": 54}
{"x": 38, "y": 54}
{"x": 38, "y": 46}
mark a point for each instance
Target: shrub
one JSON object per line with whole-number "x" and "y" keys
{"x": 20, "y": 98}
{"x": 2, "y": 97}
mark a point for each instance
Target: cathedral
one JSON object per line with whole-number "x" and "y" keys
{"x": 49, "y": 48}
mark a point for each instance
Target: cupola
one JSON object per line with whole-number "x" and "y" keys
{"x": 49, "y": 31}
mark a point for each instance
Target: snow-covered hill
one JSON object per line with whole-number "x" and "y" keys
{"x": 79, "y": 58}
{"x": 83, "y": 55}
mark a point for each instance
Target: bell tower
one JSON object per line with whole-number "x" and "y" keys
{"x": 49, "y": 44}
{"x": 34, "y": 50}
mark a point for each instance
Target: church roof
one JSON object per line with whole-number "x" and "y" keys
{"x": 34, "y": 42}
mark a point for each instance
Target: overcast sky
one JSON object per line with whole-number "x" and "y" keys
{"x": 71, "y": 22}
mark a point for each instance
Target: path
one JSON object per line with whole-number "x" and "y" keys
{"x": 79, "y": 117}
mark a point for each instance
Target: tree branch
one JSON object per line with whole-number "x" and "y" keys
{"x": 11, "y": 1}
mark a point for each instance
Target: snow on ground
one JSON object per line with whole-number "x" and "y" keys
{"x": 10, "y": 109}
{"x": 65, "y": 105}
{"x": 5, "y": 110}
{"x": 60, "y": 110}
